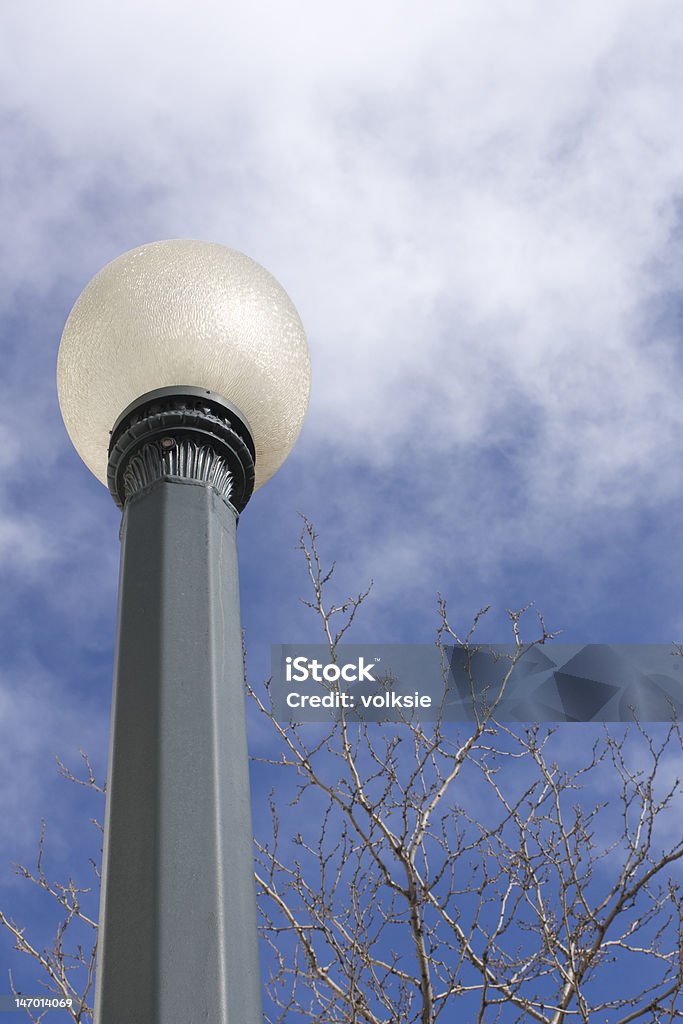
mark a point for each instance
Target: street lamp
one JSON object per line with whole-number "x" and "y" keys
{"x": 183, "y": 377}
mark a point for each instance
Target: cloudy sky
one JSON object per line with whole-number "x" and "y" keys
{"x": 476, "y": 210}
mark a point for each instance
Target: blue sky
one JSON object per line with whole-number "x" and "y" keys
{"x": 476, "y": 210}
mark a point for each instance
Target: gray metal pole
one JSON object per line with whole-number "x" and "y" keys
{"x": 178, "y": 940}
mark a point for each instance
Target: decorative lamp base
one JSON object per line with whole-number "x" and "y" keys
{"x": 182, "y": 432}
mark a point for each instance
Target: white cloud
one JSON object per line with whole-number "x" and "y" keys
{"x": 475, "y": 208}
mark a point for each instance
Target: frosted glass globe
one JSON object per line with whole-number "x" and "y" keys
{"x": 176, "y": 313}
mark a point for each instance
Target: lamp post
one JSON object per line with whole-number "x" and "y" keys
{"x": 183, "y": 378}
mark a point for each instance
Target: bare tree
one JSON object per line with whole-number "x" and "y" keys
{"x": 67, "y": 968}
{"x": 412, "y": 874}
{"x": 419, "y": 875}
